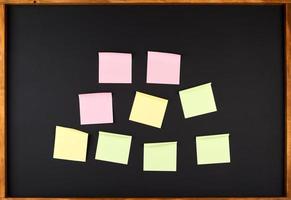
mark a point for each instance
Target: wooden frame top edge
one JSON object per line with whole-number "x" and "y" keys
{"x": 140, "y": 2}
{"x": 144, "y": 198}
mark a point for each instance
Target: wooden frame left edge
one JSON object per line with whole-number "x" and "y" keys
{"x": 3, "y": 180}
{"x": 2, "y": 101}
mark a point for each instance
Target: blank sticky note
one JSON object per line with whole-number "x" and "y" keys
{"x": 113, "y": 147}
{"x": 96, "y": 108}
{"x": 114, "y": 67}
{"x": 160, "y": 156}
{"x": 197, "y": 100}
{"x": 163, "y": 68}
{"x": 148, "y": 109}
{"x": 70, "y": 144}
{"x": 213, "y": 149}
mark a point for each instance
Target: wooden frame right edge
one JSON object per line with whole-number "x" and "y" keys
{"x": 288, "y": 100}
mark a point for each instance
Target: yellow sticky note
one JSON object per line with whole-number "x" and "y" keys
{"x": 197, "y": 100}
{"x": 70, "y": 144}
{"x": 148, "y": 109}
{"x": 160, "y": 156}
{"x": 113, "y": 147}
{"x": 213, "y": 149}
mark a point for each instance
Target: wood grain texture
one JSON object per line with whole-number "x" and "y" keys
{"x": 2, "y": 103}
{"x": 144, "y": 1}
{"x": 288, "y": 98}
{"x": 150, "y": 198}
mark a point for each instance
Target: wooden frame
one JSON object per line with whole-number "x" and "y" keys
{"x": 287, "y": 5}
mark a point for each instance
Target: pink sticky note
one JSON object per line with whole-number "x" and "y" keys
{"x": 114, "y": 67}
{"x": 96, "y": 108}
{"x": 163, "y": 68}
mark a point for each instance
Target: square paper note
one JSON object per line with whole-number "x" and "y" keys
{"x": 113, "y": 147}
{"x": 213, "y": 149}
{"x": 96, "y": 108}
{"x": 160, "y": 156}
{"x": 148, "y": 109}
{"x": 197, "y": 100}
{"x": 70, "y": 144}
{"x": 114, "y": 67}
{"x": 163, "y": 68}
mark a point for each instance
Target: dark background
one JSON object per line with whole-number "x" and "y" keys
{"x": 52, "y": 57}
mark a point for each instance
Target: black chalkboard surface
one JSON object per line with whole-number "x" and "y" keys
{"x": 52, "y": 57}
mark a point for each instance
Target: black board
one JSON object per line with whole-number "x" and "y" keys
{"x": 52, "y": 57}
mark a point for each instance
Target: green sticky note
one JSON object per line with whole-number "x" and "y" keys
{"x": 113, "y": 147}
{"x": 197, "y": 100}
{"x": 213, "y": 149}
{"x": 160, "y": 156}
{"x": 70, "y": 144}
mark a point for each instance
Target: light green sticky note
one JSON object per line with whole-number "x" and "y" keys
{"x": 160, "y": 156}
{"x": 113, "y": 147}
{"x": 197, "y": 100}
{"x": 70, "y": 144}
{"x": 213, "y": 149}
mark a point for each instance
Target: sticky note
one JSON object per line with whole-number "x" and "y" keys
{"x": 197, "y": 100}
{"x": 96, "y": 108}
{"x": 113, "y": 147}
{"x": 160, "y": 156}
{"x": 163, "y": 68}
{"x": 114, "y": 67}
{"x": 213, "y": 149}
{"x": 148, "y": 109}
{"x": 70, "y": 144}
